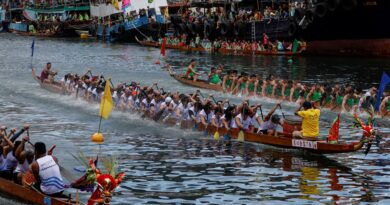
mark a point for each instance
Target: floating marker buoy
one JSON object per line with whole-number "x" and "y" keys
{"x": 157, "y": 62}
{"x": 290, "y": 61}
{"x": 97, "y": 138}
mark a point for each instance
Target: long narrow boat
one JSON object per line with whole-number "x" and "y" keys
{"x": 28, "y": 195}
{"x": 282, "y": 140}
{"x": 205, "y": 85}
{"x": 55, "y": 87}
{"x": 257, "y": 52}
{"x": 199, "y": 83}
{"x": 168, "y": 46}
{"x": 221, "y": 50}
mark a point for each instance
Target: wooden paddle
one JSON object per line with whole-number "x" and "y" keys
{"x": 280, "y": 106}
{"x": 216, "y": 135}
{"x": 261, "y": 112}
{"x": 241, "y": 136}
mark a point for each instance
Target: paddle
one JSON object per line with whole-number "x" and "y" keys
{"x": 216, "y": 135}
{"x": 200, "y": 93}
{"x": 212, "y": 97}
{"x": 280, "y": 106}
{"x": 241, "y": 136}
{"x": 111, "y": 83}
{"x": 261, "y": 112}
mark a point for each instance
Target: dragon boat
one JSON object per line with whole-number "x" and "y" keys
{"x": 283, "y": 139}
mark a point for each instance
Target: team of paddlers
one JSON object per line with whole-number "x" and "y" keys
{"x": 187, "y": 109}
{"x": 25, "y": 163}
{"x": 344, "y": 98}
{"x": 235, "y": 45}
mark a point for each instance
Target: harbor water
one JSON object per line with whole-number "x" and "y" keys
{"x": 167, "y": 165}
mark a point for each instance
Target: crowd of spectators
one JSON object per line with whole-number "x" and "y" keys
{"x": 249, "y": 14}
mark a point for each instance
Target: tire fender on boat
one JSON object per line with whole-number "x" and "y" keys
{"x": 333, "y": 5}
{"x": 298, "y": 15}
{"x": 309, "y": 13}
{"x": 190, "y": 29}
{"x": 208, "y": 28}
{"x": 181, "y": 28}
{"x": 292, "y": 29}
{"x": 197, "y": 28}
{"x": 173, "y": 20}
{"x": 321, "y": 9}
{"x": 349, "y": 4}
{"x": 237, "y": 28}
{"x": 224, "y": 28}
{"x": 121, "y": 30}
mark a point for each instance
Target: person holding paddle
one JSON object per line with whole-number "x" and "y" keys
{"x": 25, "y": 158}
{"x": 47, "y": 172}
{"x": 310, "y": 121}
{"x": 191, "y": 72}
{"x": 271, "y": 122}
{"x": 47, "y": 75}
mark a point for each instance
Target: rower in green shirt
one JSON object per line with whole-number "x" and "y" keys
{"x": 214, "y": 77}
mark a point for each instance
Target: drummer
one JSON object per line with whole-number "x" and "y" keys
{"x": 310, "y": 121}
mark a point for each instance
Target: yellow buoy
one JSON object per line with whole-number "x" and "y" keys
{"x": 97, "y": 138}
{"x": 84, "y": 36}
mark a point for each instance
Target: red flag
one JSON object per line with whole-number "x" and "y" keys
{"x": 334, "y": 130}
{"x": 163, "y": 46}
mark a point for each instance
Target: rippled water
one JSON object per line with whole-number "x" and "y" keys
{"x": 173, "y": 166}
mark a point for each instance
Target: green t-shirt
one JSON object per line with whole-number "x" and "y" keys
{"x": 215, "y": 79}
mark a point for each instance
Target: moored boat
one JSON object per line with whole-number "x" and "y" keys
{"x": 282, "y": 140}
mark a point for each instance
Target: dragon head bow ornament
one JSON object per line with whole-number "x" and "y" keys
{"x": 106, "y": 184}
{"x": 369, "y": 134}
{"x": 101, "y": 184}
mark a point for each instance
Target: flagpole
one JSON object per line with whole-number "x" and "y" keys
{"x": 32, "y": 54}
{"x": 101, "y": 114}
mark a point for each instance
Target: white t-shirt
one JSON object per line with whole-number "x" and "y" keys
{"x": 218, "y": 121}
{"x": 253, "y": 121}
{"x": 245, "y": 122}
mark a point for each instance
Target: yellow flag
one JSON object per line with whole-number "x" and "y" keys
{"x": 116, "y": 4}
{"x": 106, "y": 103}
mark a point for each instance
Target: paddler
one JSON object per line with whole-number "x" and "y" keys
{"x": 214, "y": 76}
{"x": 271, "y": 122}
{"x": 310, "y": 121}
{"x": 47, "y": 172}
{"x": 47, "y": 75}
{"x": 229, "y": 80}
{"x": 25, "y": 159}
{"x": 191, "y": 72}
{"x": 9, "y": 149}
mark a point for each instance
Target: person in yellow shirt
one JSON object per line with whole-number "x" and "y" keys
{"x": 310, "y": 121}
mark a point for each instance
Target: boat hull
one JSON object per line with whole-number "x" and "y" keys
{"x": 220, "y": 51}
{"x": 29, "y": 195}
